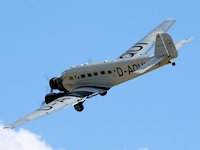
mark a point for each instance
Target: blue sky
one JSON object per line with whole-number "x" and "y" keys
{"x": 159, "y": 110}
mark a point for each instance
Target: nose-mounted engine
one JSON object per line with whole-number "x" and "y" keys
{"x": 56, "y": 84}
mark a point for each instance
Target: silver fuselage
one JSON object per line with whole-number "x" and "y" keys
{"x": 105, "y": 74}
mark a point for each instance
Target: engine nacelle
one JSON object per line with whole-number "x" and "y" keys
{"x": 56, "y": 83}
{"x": 52, "y": 96}
{"x": 49, "y": 98}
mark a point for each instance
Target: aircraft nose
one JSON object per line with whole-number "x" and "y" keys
{"x": 56, "y": 83}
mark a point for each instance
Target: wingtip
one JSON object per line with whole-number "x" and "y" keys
{"x": 171, "y": 19}
{"x": 7, "y": 127}
{"x": 189, "y": 39}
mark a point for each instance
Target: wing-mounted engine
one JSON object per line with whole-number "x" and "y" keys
{"x": 53, "y": 96}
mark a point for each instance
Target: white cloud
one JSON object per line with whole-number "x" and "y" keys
{"x": 143, "y": 148}
{"x": 21, "y": 140}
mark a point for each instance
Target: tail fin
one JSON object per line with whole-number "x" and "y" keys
{"x": 164, "y": 46}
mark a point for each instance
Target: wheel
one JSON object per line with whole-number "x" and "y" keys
{"x": 173, "y": 64}
{"x": 79, "y": 107}
{"x": 104, "y": 93}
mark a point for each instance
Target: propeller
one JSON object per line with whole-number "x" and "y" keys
{"x": 89, "y": 60}
{"x": 49, "y": 89}
{"x": 42, "y": 104}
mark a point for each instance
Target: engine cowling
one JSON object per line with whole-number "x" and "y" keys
{"x": 56, "y": 83}
{"x": 52, "y": 96}
{"x": 49, "y": 98}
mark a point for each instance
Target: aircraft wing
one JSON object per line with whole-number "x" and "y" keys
{"x": 146, "y": 43}
{"x": 46, "y": 109}
{"x": 70, "y": 99}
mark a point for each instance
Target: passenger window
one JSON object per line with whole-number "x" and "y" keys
{"x": 70, "y": 78}
{"x": 89, "y": 75}
{"x": 82, "y": 76}
{"x": 95, "y": 73}
{"x": 109, "y": 71}
{"x": 102, "y": 72}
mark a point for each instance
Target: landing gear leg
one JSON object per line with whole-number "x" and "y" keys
{"x": 79, "y": 107}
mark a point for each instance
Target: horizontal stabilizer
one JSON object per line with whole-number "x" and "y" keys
{"x": 149, "y": 64}
{"x": 183, "y": 42}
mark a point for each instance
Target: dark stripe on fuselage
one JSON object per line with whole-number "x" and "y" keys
{"x": 80, "y": 94}
{"x": 97, "y": 87}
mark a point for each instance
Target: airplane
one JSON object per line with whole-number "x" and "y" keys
{"x": 79, "y": 83}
